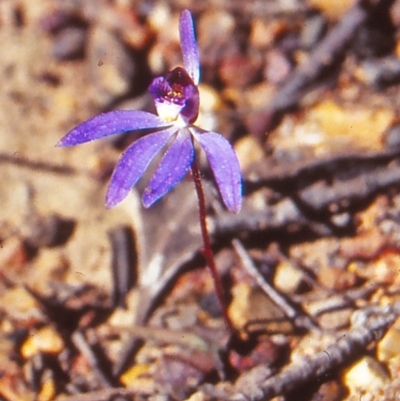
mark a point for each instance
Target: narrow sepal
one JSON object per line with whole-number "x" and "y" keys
{"x": 133, "y": 163}
{"x": 172, "y": 168}
{"x": 190, "y": 52}
{"x": 224, "y": 165}
{"x": 110, "y": 123}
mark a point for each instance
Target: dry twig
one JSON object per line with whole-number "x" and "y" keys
{"x": 348, "y": 346}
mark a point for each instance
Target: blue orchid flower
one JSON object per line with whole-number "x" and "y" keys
{"x": 176, "y": 97}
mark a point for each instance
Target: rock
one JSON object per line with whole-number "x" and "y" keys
{"x": 392, "y": 136}
{"x": 248, "y": 151}
{"x": 287, "y": 277}
{"x": 278, "y": 67}
{"x": 69, "y": 43}
{"x": 332, "y": 9}
{"x": 389, "y": 346}
{"x": 380, "y": 72}
{"x": 313, "y": 29}
{"x": 45, "y": 340}
{"x": 366, "y": 378}
{"x": 252, "y": 305}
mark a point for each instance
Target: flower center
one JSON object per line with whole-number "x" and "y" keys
{"x": 175, "y": 95}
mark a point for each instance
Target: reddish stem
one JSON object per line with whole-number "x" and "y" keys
{"x": 207, "y": 251}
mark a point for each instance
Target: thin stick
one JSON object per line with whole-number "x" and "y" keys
{"x": 207, "y": 251}
{"x": 273, "y": 295}
{"x": 311, "y": 368}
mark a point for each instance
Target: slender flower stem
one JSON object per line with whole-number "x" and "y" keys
{"x": 207, "y": 251}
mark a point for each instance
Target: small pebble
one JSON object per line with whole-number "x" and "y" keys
{"x": 336, "y": 279}
{"x": 341, "y": 220}
{"x": 335, "y": 320}
{"x": 389, "y": 346}
{"x": 48, "y": 389}
{"x": 277, "y": 68}
{"x": 287, "y": 278}
{"x": 250, "y": 304}
{"x": 331, "y": 390}
{"x": 45, "y": 340}
{"x": 332, "y": 9}
{"x": 263, "y": 33}
{"x": 249, "y": 151}
{"x": 380, "y": 72}
{"x": 392, "y": 137}
{"x": 136, "y": 376}
{"x": 313, "y": 30}
{"x": 18, "y": 303}
{"x": 69, "y": 43}
{"x": 12, "y": 254}
{"x": 366, "y": 376}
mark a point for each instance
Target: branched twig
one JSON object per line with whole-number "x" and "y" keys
{"x": 322, "y": 58}
{"x": 351, "y": 191}
{"x": 82, "y": 345}
{"x": 311, "y": 188}
{"x": 302, "y": 173}
{"x": 276, "y": 217}
{"x": 100, "y": 395}
{"x": 348, "y": 346}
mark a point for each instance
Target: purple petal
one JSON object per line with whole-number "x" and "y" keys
{"x": 225, "y": 166}
{"x": 133, "y": 164}
{"x": 110, "y": 123}
{"x": 191, "y": 110}
{"x": 172, "y": 168}
{"x": 190, "y": 52}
